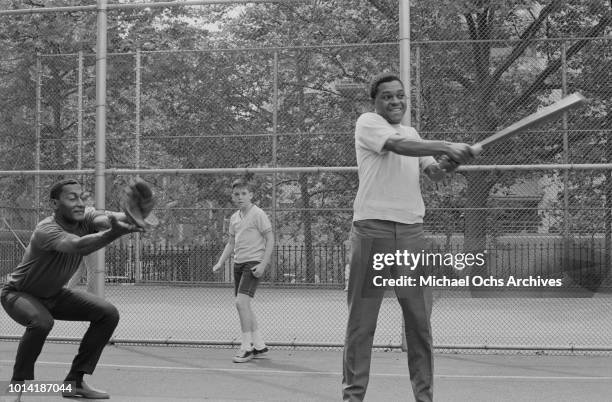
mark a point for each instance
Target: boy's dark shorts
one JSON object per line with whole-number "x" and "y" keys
{"x": 244, "y": 281}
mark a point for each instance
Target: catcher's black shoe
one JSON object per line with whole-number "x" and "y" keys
{"x": 86, "y": 392}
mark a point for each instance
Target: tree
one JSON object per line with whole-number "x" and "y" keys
{"x": 197, "y": 106}
{"x": 480, "y": 24}
{"x": 483, "y": 82}
{"x": 58, "y": 37}
{"x": 313, "y": 121}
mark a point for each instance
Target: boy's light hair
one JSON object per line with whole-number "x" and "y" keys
{"x": 241, "y": 183}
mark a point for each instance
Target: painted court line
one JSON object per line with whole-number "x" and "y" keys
{"x": 335, "y": 373}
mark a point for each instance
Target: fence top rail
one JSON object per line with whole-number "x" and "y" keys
{"x": 311, "y": 169}
{"x": 333, "y": 45}
{"x": 344, "y": 133}
{"x": 125, "y": 6}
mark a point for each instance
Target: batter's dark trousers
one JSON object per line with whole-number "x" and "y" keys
{"x": 38, "y": 316}
{"x": 370, "y": 237}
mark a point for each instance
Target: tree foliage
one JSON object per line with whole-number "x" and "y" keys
{"x": 203, "y": 104}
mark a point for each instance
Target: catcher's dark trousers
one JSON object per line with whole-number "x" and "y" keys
{"x": 38, "y": 315}
{"x": 370, "y": 237}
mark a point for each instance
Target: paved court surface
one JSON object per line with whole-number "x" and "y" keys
{"x": 285, "y": 315}
{"x": 141, "y": 373}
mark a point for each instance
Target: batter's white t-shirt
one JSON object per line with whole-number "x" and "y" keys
{"x": 249, "y": 231}
{"x": 389, "y": 187}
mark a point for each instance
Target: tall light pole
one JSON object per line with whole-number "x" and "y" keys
{"x": 404, "y": 43}
{"x": 100, "y": 168}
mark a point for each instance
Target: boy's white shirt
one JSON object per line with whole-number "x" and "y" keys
{"x": 249, "y": 234}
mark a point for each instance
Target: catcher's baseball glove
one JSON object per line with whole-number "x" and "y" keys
{"x": 138, "y": 204}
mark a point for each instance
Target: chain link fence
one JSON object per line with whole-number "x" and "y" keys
{"x": 223, "y": 109}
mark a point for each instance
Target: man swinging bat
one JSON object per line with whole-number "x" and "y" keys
{"x": 35, "y": 296}
{"x": 388, "y": 217}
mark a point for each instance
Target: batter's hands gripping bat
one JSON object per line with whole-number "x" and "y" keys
{"x": 541, "y": 116}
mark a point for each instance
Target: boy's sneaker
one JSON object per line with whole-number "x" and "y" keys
{"x": 244, "y": 356}
{"x": 260, "y": 352}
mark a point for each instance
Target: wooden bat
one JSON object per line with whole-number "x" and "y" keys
{"x": 541, "y": 116}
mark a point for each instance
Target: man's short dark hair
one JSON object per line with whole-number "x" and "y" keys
{"x": 380, "y": 79}
{"x": 241, "y": 183}
{"x": 57, "y": 187}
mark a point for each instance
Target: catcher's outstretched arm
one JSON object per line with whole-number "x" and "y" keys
{"x": 73, "y": 244}
{"x": 102, "y": 222}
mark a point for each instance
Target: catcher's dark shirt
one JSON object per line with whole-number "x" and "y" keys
{"x": 43, "y": 270}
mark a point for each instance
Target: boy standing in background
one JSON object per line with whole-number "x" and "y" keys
{"x": 252, "y": 241}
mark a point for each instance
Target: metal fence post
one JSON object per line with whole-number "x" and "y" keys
{"x": 88, "y": 263}
{"x": 404, "y": 24}
{"x": 80, "y": 113}
{"x": 404, "y": 44}
{"x": 100, "y": 164}
{"x": 273, "y": 267}
{"x": 38, "y": 132}
{"x": 137, "y": 239}
{"x": 566, "y": 217}
{"x": 417, "y": 89}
